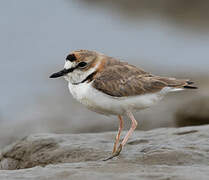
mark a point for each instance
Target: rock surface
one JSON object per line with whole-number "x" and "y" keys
{"x": 162, "y": 154}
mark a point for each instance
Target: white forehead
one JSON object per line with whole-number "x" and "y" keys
{"x": 69, "y": 64}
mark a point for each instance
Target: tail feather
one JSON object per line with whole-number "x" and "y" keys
{"x": 190, "y": 82}
{"x": 188, "y": 85}
{"x": 178, "y": 83}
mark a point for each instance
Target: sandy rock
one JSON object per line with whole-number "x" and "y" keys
{"x": 166, "y": 153}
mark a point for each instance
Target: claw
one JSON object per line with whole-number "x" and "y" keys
{"x": 115, "y": 154}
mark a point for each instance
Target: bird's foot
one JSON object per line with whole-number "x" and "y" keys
{"x": 116, "y": 153}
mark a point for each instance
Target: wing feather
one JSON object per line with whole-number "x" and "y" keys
{"x": 120, "y": 79}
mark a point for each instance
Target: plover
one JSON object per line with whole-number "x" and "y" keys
{"x": 109, "y": 86}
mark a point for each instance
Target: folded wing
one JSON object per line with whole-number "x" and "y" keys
{"x": 120, "y": 79}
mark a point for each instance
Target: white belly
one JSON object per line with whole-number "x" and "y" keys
{"x": 105, "y": 104}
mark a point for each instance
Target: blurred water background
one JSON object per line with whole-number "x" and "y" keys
{"x": 166, "y": 37}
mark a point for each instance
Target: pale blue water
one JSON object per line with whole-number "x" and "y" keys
{"x": 35, "y": 37}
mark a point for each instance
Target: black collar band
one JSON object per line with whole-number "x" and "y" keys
{"x": 89, "y": 78}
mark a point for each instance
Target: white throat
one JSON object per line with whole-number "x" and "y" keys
{"x": 77, "y": 76}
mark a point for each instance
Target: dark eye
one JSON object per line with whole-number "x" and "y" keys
{"x": 82, "y": 64}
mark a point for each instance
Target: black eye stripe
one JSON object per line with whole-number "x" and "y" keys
{"x": 81, "y": 64}
{"x": 71, "y": 58}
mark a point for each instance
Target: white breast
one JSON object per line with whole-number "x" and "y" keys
{"x": 105, "y": 104}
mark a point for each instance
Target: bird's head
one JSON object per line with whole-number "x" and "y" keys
{"x": 79, "y": 65}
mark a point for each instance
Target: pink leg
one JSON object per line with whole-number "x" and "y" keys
{"x": 129, "y": 133}
{"x": 117, "y": 138}
{"x": 131, "y": 130}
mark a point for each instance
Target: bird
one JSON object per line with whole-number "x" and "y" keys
{"x": 109, "y": 86}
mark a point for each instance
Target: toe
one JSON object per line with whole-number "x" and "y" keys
{"x": 115, "y": 154}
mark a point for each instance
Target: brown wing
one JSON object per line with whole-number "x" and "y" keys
{"x": 121, "y": 79}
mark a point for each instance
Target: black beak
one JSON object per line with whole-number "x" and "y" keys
{"x": 59, "y": 74}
